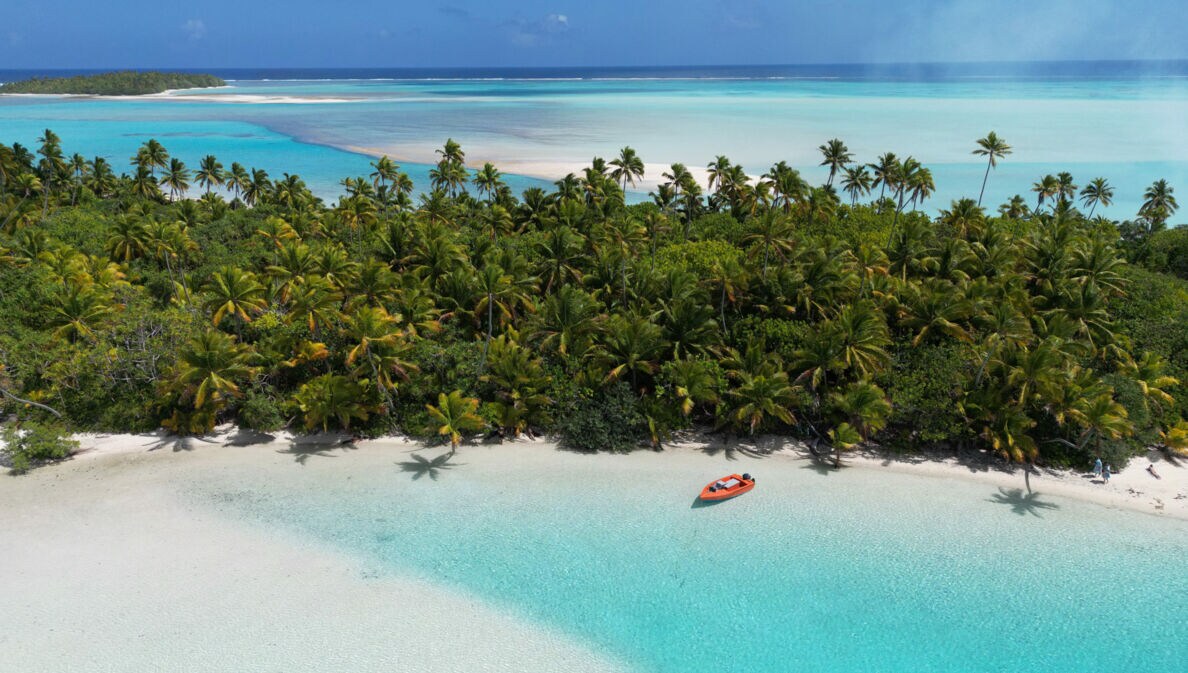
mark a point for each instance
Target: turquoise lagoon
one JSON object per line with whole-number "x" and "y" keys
{"x": 1091, "y": 119}
{"x": 816, "y": 571}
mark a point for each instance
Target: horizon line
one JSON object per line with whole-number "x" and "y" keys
{"x": 1183, "y": 60}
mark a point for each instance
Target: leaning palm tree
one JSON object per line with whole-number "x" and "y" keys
{"x": 1098, "y": 191}
{"x": 835, "y": 155}
{"x": 1047, "y": 187}
{"x": 993, "y": 148}
{"x": 455, "y": 415}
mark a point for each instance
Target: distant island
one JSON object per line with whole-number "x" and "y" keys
{"x": 125, "y": 83}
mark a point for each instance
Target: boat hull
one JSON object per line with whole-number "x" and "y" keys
{"x": 743, "y": 486}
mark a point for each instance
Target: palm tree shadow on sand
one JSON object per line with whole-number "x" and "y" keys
{"x": 302, "y": 448}
{"x": 421, "y": 466}
{"x": 178, "y": 443}
{"x": 1022, "y": 503}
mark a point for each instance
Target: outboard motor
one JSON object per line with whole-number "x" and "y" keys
{"x": 748, "y": 477}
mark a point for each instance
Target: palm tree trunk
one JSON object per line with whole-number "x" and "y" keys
{"x": 984, "y": 179}
{"x": 490, "y": 329}
{"x": 722, "y": 306}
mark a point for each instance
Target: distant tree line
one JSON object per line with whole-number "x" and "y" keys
{"x": 124, "y": 83}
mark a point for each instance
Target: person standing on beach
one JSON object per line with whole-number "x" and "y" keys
{"x": 1097, "y": 467}
{"x": 1106, "y": 474}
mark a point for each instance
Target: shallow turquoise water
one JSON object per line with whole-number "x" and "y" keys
{"x": 1131, "y": 131}
{"x": 852, "y": 571}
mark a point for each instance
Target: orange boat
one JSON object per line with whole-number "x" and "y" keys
{"x": 728, "y": 487}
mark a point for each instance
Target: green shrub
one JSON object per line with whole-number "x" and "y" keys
{"x": 34, "y": 444}
{"x": 262, "y": 409}
{"x": 1167, "y": 252}
{"x": 924, "y": 384}
{"x": 605, "y": 420}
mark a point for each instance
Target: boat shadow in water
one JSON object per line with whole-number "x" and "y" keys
{"x": 421, "y": 466}
{"x": 1022, "y": 503}
{"x": 698, "y": 503}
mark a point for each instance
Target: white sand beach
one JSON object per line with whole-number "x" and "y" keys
{"x": 1132, "y": 488}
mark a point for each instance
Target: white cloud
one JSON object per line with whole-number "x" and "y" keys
{"x": 194, "y": 28}
{"x": 533, "y": 33}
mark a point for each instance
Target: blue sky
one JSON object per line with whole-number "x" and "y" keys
{"x": 308, "y": 33}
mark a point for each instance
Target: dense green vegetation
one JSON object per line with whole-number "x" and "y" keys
{"x": 764, "y": 305}
{"x": 124, "y": 83}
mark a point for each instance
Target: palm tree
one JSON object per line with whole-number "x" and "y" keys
{"x": 455, "y": 415}
{"x": 1046, "y": 188}
{"x": 567, "y": 320}
{"x": 758, "y": 398}
{"x": 315, "y": 300}
{"x": 631, "y": 345}
{"x": 385, "y": 171}
{"x": 332, "y": 397}
{"x": 209, "y": 366}
{"x": 718, "y": 169}
{"x": 51, "y": 165}
{"x": 993, "y": 148}
{"x": 100, "y": 179}
{"x": 835, "y": 155}
{"x": 210, "y": 173}
{"x": 1100, "y": 417}
{"x": 627, "y": 168}
{"x": 235, "y": 293}
{"x": 884, "y": 169}
{"x": 1015, "y": 209}
{"x": 127, "y": 239}
{"x": 452, "y": 152}
{"x": 152, "y": 155}
{"x": 1159, "y": 203}
{"x": 693, "y": 383}
{"x": 177, "y": 178}
{"x": 377, "y": 348}
{"x": 864, "y": 406}
{"x": 1149, "y": 372}
{"x": 857, "y": 182}
{"x": 964, "y": 216}
{"x": 488, "y": 180}
{"x": 1097, "y": 191}
{"x": 238, "y": 180}
{"x": 771, "y": 233}
{"x": 76, "y": 311}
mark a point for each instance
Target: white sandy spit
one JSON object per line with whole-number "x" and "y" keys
{"x": 104, "y": 568}
{"x": 519, "y": 161}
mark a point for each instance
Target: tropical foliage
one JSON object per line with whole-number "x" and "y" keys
{"x": 749, "y": 304}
